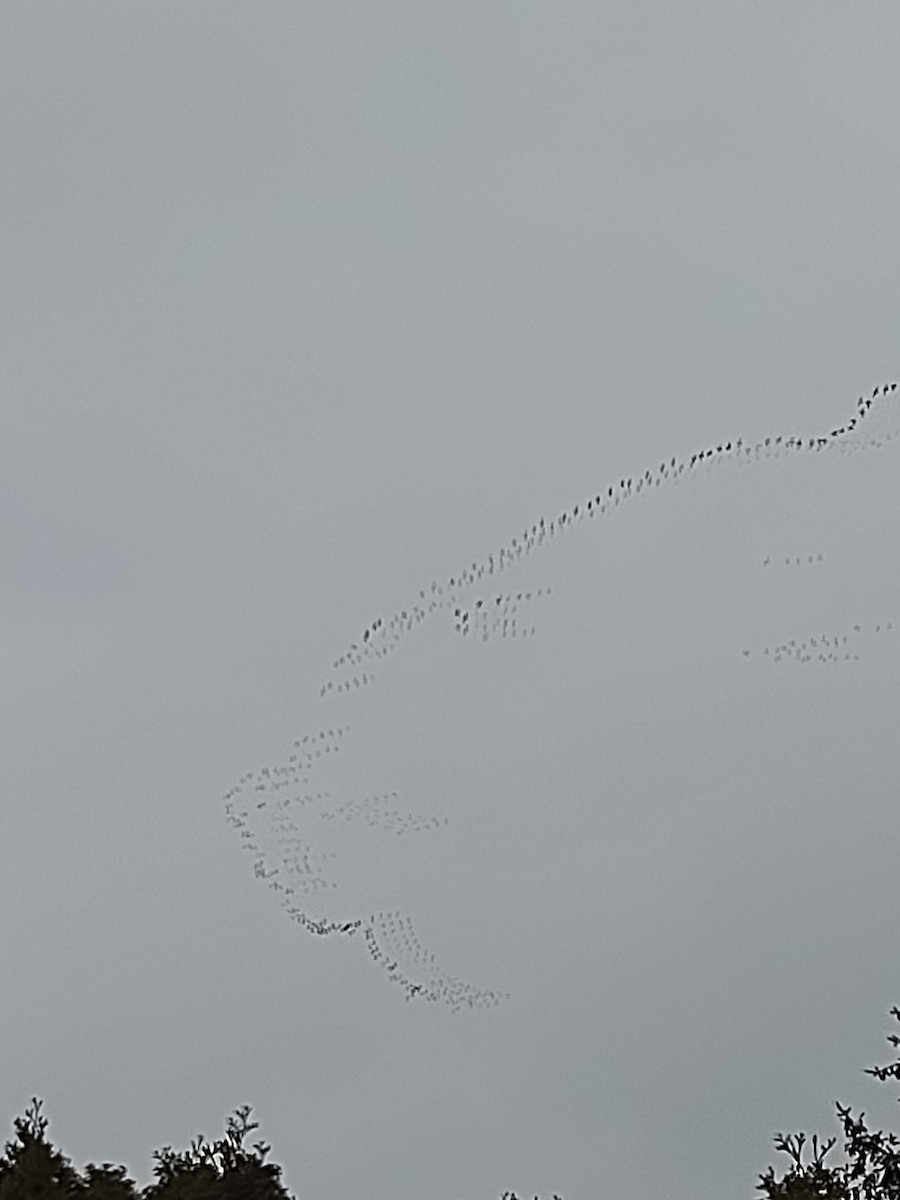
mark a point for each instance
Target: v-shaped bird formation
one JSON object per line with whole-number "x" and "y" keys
{"x": 286, "y": 822}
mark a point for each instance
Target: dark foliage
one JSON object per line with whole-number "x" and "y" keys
{"x": 872, "y": 1167}
{"x": 106, "y": 1183}
{"x": 32, "y": 1169}
{"x": 224, "y": 1170}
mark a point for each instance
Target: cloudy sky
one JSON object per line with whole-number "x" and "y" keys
{"x": 311, "y": 308}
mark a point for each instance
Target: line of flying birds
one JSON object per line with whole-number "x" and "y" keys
{"x": 274, "y": 810}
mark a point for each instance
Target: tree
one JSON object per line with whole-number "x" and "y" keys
{"x": 872, "y": 1169}
{"x": 31, "y": 1169}
{"x": 107, "y": 1183}
{"x": 812, "y": 1181}
{"x": 224, "y": 1170}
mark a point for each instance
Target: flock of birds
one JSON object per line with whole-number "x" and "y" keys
{"x": 280, "y": 818}
{"x": 496, "y": 616}
{"x": 824, "y": 648}
{"x": 797, "y": 561}
{"x": 270, "y": 810}
{"x": 875, "y": 422}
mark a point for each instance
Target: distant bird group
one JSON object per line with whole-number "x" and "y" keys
{"x": 824, "y": 648}
{"x": 798, "y": 560}
{"x": 280, "y": 820}
{"x": 374, "y": 811}
{"x": 277, "y": 823}
{"x": 495, "y": 616}
{"x": 392, "y": 942}
{"x": 875, "y": 422}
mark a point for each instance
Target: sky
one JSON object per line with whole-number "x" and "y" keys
{"x": 309, "y": 310}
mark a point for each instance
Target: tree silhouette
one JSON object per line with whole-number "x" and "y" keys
{"x": 872, "y": 1169}
{"x": 31, "y": 1169}
{"x": 107, "y": 1183}
{"x": 224, "y": 1170}
{"x": 810, "y": 1181}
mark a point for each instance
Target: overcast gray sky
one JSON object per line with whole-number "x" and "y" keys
{"x": 308, "y": 307}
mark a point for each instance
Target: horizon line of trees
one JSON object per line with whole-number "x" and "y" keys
{"x": 31, "y": 1168}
